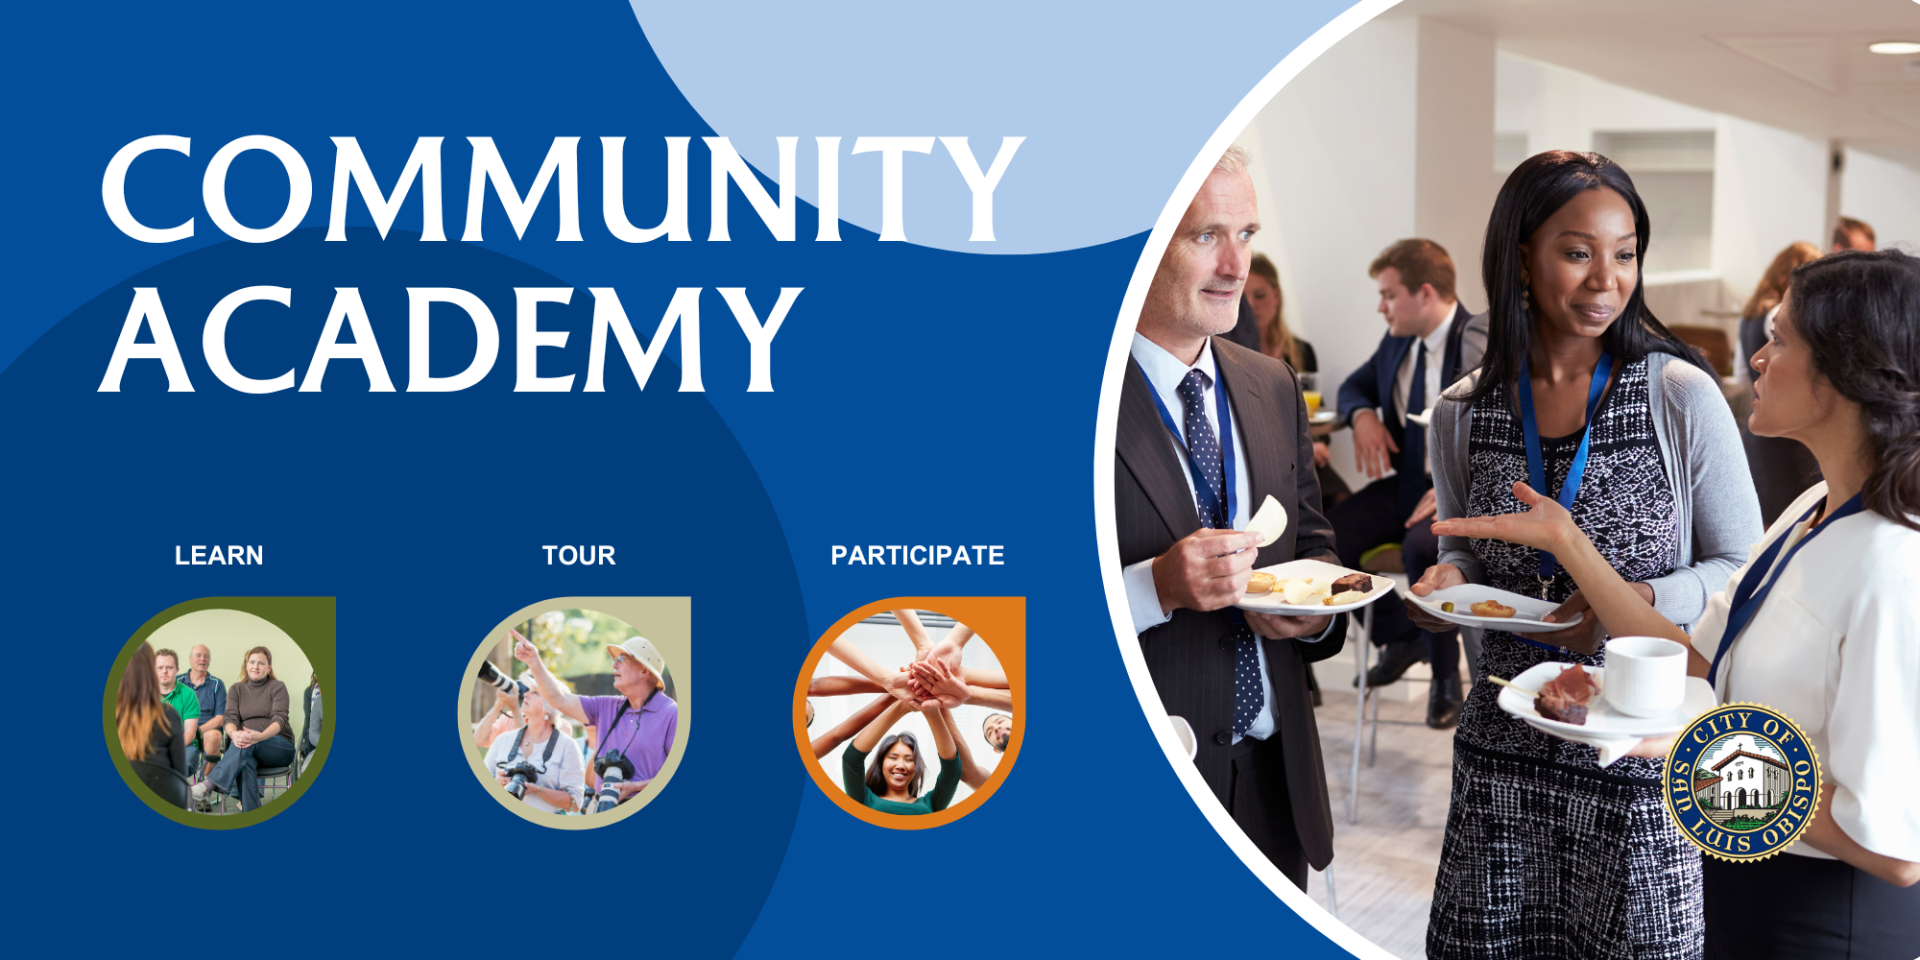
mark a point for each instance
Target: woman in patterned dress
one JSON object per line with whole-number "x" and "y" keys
{"x": 1547, "y": 854}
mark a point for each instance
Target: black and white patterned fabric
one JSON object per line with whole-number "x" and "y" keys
{"x": 1546, "y": 853}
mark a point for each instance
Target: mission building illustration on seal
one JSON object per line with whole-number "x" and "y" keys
{"x": 1741, "y": 781}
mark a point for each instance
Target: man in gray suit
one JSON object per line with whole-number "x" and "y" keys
{"x": 1207, "y": 430}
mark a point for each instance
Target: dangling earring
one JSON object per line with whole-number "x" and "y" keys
{"x": 1525, "y": 300}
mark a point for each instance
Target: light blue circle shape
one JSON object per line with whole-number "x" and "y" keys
{"x": 1114, "y": 101}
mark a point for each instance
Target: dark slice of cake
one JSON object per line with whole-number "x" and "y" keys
{"x": 1562, "y": 709}
{"x": 1353, "y": 581}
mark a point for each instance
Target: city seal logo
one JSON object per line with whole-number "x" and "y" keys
{"x": 1742, "y": 781}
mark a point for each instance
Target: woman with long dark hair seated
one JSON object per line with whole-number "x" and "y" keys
{"x": 149, "y": 728}
{"x": 262, "y": 735}
{"x": 1828, "y": 628}
{"x": 1546, "y": 853}
{"x": 893, "y": 782}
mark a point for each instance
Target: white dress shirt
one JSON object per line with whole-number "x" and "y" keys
{"x": 1436, "y": 344}
{"x": 1164, "y": 372}
{"x": 1836, "y": 648}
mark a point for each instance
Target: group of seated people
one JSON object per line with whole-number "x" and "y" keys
{"x": 217, "y": 736}
{"x": 626, "y": 740}
{"x": 934, "y": 684}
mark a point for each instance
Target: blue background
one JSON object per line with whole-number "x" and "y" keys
{"x": 922, "y": 396}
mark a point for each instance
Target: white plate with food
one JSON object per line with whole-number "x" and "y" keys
{"x": 1600, "y": 721}
{"x": 1472, "y": 605}
{"x": 1302, "y": 588}
{"x": 1323, "y": 417}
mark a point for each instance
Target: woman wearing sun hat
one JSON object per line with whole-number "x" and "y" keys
{"x": 640, "y": 722}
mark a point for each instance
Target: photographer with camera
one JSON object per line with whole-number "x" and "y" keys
{"x": 537, "y": 763}
{"x": 636, "y": 728}
{"x": 501, "y": 719}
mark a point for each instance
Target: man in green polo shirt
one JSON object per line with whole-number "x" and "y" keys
{"x": 179, "y": 696}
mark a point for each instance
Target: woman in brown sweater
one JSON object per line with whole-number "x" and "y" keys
{"x": 262, "y": 734}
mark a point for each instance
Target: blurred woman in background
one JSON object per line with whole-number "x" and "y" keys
{"x": 1782, "y": 468}
{"x": 1277, "y": 341}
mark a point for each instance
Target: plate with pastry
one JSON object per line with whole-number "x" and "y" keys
{"x": 1565, "y": 699}
{"x": 1303, "y": 588}
{"x": 1472, "y": 605}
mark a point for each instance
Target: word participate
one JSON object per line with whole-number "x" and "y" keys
{"x": 584, "y": 556}
{"x": 918, "y": 555}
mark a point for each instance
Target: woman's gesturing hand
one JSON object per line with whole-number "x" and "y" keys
{"x": 1582, "y": 638}
{"x": 1586, "y": 636}
{"x": 1545, "y": 526}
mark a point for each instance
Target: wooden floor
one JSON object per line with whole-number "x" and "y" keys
{"x": 1383, "y": 866}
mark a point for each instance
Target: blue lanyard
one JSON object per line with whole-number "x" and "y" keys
{"x": 1536, "y": 465}
{"x": 1208, "y": 498}
{"x": 1747, "y": 599}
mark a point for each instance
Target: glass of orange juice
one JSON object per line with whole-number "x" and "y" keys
{"x": 1310, "y": 392}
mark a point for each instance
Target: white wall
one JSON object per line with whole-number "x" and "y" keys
{"x": 1454, "y": 180}
{"x": 889, "y": 646}
{"x": 1885, "y": 194}
{"x": 1769, "y": 190}
{"x": 1559, "y": 109}
{"x": 1333, "y": 163}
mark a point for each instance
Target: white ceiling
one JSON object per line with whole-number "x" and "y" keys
{"x": 1800, "y": 65}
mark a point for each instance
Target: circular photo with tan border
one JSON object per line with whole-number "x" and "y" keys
{"x": 574, "y": 712}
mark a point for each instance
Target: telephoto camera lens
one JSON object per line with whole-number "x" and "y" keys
{"x": 491, "y": 675}
{"x": 614, "y": 768}
{"x": 518, "y": 776}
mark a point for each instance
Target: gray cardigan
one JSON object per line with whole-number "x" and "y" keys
{"x": 1705, "y": 465}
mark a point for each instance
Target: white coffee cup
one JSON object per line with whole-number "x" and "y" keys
{"x": 1646, "y": 676}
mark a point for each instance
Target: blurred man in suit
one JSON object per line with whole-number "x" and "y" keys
{"x": 1431, "y": 341}
{"x": 1207, "y": 431}
{"x": 1851, "y": 234}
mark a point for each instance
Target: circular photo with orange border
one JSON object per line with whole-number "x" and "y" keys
{"x": 908, "y": 711}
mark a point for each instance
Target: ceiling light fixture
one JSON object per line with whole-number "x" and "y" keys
{"x": 1894, "y": 47}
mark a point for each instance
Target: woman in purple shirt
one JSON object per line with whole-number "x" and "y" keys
{"x": 639, "y": 723}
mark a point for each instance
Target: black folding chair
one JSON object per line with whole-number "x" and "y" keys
{"x": 166, "y": 782}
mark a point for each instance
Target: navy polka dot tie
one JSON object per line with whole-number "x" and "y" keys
{"x": 1204, "y": 448}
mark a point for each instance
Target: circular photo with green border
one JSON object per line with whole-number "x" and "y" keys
{"x": 244, "y": 740}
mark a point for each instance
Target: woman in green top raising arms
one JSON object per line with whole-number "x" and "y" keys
{"x": 891, "y": 784}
